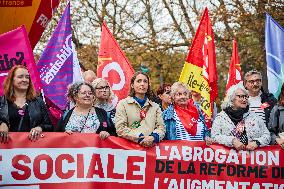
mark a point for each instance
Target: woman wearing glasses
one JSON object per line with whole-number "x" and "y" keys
{"x": 137, "y": 117}
{"x": 84, "y": 118}
{"x": 235, "y": 126}
{"x": 104, "y": 97}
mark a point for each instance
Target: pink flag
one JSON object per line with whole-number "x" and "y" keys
{"x": 15, "y": 49}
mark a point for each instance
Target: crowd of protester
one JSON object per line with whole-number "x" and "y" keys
{"x": 250, "y": 117}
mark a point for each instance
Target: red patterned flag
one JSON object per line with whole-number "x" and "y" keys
{"x": 199, "y": 71}
{"x": 234, "y": 76}
{"x": 113, "y": 64}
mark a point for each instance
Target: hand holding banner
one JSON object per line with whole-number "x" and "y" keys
{"x": 89, "y": 162}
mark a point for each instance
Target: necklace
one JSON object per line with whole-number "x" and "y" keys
{"x": 86, "y": 119}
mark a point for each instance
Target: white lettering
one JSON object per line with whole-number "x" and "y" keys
{"x": 66, "y": 52}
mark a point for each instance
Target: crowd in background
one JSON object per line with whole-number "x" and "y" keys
{"x": 249, "y": 116}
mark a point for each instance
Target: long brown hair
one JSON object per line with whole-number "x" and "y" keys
{"x": 9, "y": 88}
{"x": 281, "y": 96}
{"x": 149, "y": 92}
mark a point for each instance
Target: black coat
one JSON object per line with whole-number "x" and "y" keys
{"x": 271, "y": 100}
{"x": 102, "y": 116}
{"x": 38, "y": 113}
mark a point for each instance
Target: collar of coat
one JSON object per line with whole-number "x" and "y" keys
{"x": 169, "y": 112}
{"x": 131, "y": 100}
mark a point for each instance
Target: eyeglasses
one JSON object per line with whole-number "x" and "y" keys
{"x": 86, "y": 93}
{"x": 244, "y": 97}
{"x": 254, "y": 81}
{"x": 103, "y": 88}
{"x": 184, "y": 93}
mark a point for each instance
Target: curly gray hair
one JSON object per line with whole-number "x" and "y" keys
{"x": 231, "y": 95}
{"x": 252, "y": 72}
{"x": 73, "y": 90}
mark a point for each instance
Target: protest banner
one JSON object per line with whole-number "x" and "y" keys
{"x": 86, "y": 161}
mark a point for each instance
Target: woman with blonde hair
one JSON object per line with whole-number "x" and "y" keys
{"x": 104, "y": 97}
{"x": 21, "y": 110}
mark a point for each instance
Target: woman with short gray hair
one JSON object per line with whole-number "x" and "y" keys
{"x": 181, "y": 117}
{"x": 235, "y": 126}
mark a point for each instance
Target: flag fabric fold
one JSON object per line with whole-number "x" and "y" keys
{"x": 274, "y": 45}
{"x": 56, "y": 63}
{"x": 35, "y": 15}
{"x": 199, "y": 71}
{"x": 234, "y": 76}
{"x": 15, "y": 49}
{"x": 113, "y": 65}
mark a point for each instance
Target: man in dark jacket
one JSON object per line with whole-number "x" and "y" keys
{"x": 260, "y": 101}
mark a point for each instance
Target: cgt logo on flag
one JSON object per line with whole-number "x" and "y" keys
{"x": 113, "y": 64}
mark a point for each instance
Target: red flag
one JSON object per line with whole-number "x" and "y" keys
{"x": 234, "y": 76}
{"x": 199, "y": 71}
{"x": 113, "y": 64}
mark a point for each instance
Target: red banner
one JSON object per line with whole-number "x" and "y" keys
{"x": 113, "y": 65}
{"x": 85, "y": 161}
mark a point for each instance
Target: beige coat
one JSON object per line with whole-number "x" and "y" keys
{"x": 128, "y": 111}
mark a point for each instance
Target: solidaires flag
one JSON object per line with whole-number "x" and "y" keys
{"x": 199, "y": 71}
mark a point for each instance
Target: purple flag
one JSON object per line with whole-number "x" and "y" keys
{"x": 56, "y": 63}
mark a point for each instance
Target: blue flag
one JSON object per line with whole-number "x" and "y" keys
{"x": 56, "y": 63}
{"x": 274, "y": 45}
